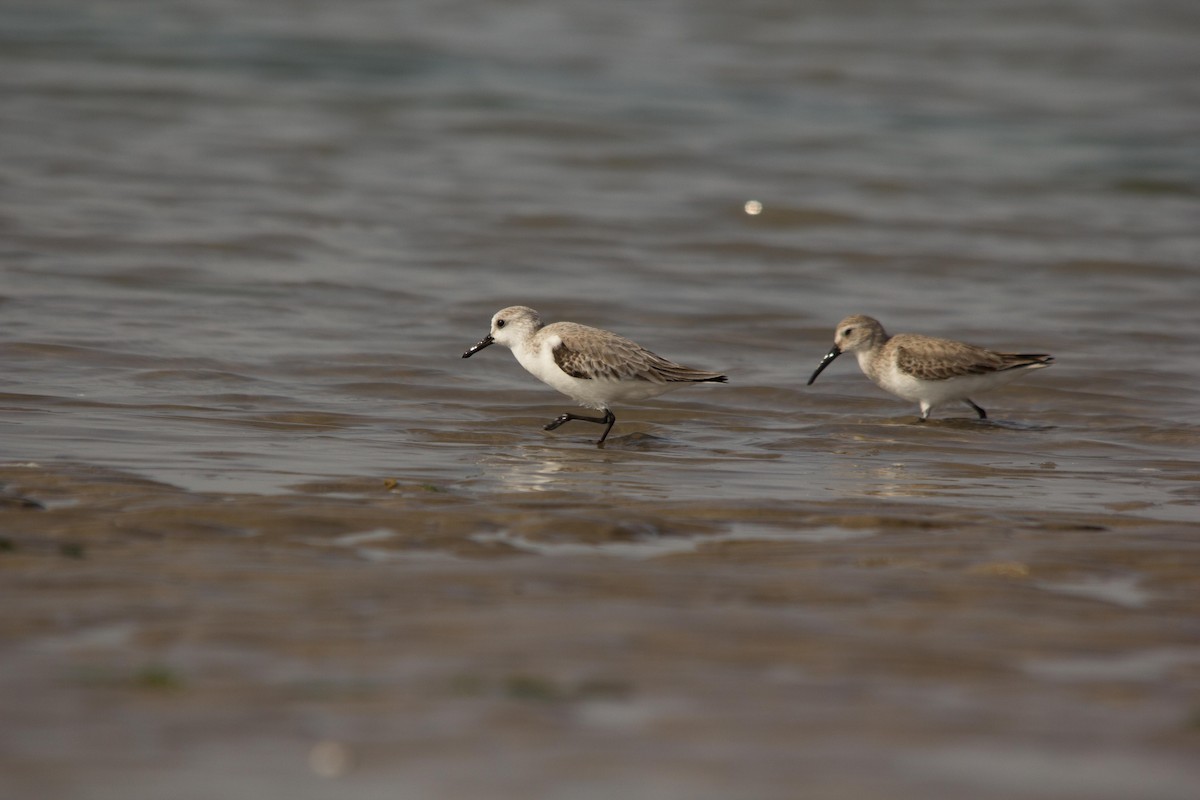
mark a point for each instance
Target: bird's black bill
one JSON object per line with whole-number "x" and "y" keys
{"x": 833, "y": 353}
{"x": 486, "y": 341}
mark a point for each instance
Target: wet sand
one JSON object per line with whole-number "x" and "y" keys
{"x": 409, "y": 639}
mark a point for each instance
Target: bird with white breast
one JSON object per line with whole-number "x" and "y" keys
{"x": 594, "y": 367}
{"x": 924, "y": 369}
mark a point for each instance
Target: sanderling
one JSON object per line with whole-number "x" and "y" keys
{"x": 594, "y": 367}
{"x": 930, "y": 371}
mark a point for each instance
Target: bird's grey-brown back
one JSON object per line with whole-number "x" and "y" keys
{"x": 596, "y": 354}
{"x": 929, "y": 358}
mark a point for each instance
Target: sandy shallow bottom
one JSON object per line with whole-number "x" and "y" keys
{"x": 385, "y": 638}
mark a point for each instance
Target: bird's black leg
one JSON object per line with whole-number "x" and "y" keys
{"x": 608, "y": 419}
{"x": 565, "y": 418}
{"x": 612, "y": 420}
{"x": 982, "y": 414}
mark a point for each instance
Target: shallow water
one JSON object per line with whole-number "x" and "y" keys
{"x": 263, "y": 528}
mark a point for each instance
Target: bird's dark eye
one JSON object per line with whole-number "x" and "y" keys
{"x": 499, "y": 323}
{"x": 848, "y": 331}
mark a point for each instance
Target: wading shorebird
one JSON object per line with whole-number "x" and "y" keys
{"x": 594, "y": 367}
{"x": 924, "y": 369}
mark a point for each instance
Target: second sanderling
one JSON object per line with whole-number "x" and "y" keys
{"x": 925, "y": 369}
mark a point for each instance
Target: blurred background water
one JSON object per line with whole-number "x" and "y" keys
{"x": 242, "y": 247}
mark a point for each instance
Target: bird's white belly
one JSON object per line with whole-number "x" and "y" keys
{"x": 936, "y": 393}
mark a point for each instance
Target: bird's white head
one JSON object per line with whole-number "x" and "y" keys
{"x": 510, "y": 327}
{"x": 514, "y": 324}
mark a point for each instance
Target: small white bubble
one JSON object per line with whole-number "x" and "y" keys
{"x": 753, "y": 207}
{"x": 329, "y": 759}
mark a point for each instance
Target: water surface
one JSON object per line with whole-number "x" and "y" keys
{"x": 263, "y": 528}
